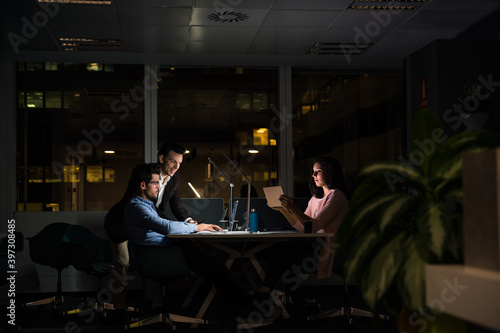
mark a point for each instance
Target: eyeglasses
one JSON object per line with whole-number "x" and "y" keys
{"x": 157, "y": 183}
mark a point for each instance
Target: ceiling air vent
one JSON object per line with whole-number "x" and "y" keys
{"x": 89, "y": 44}
{"x": 228, "y": 17}
{"x": 339, "y": 48}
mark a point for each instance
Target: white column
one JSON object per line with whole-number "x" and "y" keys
{"x": 285, "y": 130}
{"x": 150, "y": 113}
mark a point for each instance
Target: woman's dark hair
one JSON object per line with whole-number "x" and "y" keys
{"x": 334, "y": 176}
{"x": 141, "y": 173}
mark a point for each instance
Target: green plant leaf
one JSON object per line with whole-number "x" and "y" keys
{"x": 362, "y": 249}
{"x": 391, "y": 212}
{"x": 434, "y": 226}
{"x": 397, "y": 168}
{"x": 411, "y": 278}
{"x": 459, "y": 145}
{"x": 382, "y": 270}
{"x": 453, "y": 167}
{"x": 361, "y": 217}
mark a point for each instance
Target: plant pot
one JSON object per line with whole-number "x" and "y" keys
{"x": 445, "y": 323}
{"x": 410, "y": 322}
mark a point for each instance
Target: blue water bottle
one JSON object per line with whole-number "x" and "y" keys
{"x": 254, "y": 221}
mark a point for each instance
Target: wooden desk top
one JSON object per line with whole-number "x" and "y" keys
{"x": 247, "y": 235}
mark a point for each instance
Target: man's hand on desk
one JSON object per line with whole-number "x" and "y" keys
{"x": 207, "y": 227}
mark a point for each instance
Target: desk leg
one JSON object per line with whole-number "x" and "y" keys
{"x": 192, "y": 292}
{"x": 211, "y": 294}
{"x": 205, "y": 305}
{"x": 250, "y": 254}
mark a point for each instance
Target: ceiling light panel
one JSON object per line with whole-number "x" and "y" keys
{"x": 79, "y": 2}
{"x": 339, "y": 48}
{"x": 311, "y": 4}
{"x": 89, "y": 44}
{"x": 387, "y": 5}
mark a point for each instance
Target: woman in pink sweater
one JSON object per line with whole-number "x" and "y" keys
{"x": 326, "y": 209}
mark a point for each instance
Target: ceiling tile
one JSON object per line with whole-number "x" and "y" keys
{"x": 222, "y": 5}
{"x": 443, "y": 20}
{"x": 159, "y": 33}
{"x": 222, "y": 47}
{"x": 291, "y": 41}
{"x": 300, "y": 18}
{"x": 152, "y": 46}
{"x": 79, "y": 21}
{"x": 350, "y": 35}
{"x": 154, "y": 16}
{"x": 220, "y": 34}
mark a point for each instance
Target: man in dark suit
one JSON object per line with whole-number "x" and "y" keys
{"x": 170, "y": 159}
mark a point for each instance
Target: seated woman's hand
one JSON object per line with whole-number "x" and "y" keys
{"x": 286, "y": 201}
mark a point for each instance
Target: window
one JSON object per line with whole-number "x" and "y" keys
{"x": 217, "y": 111}
{"x": 66, "y": 122}
{"x": 354, "y": 118}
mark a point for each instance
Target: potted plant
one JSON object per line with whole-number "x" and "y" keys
{"x": 408, "y": 213}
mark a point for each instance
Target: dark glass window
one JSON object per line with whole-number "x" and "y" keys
{"x": 80, "y": 131}
{"x": 216, "y": 111}
{"x": 354, "y": 118}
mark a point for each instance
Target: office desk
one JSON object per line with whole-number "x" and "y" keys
{"x": 249, "y": 245}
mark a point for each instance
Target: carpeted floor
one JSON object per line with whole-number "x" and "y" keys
{"x": 46, "y": 319}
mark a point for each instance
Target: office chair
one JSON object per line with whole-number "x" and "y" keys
{"x": 90, "y": 254}
{"x": 346, "y": 310}
{"x": 161, "y": 264}
{"x": 48, "y": 249}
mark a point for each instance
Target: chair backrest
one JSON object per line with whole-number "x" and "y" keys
{"x": 158, "y": 262}
{"x": 47, "y": 247}
{"x": 88, "y": 251}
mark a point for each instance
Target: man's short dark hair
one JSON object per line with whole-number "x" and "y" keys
{"x": 143, "y": 173}
{"x": 171, "y": 146}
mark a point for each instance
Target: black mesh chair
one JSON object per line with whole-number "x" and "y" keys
{"x": 346, "y": 310}
{"x": 47, "y": 248}
{"x": 161, "y": 264}
{"x": 91, "y": 254}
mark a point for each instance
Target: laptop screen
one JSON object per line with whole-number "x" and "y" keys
{"x": 231, "y": 219}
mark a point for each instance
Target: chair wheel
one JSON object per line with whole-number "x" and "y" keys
{"x": 350, "y": 325}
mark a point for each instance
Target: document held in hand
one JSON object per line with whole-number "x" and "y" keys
{"x": 272, "y": 195}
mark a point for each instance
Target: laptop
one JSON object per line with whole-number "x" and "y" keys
{"x": 269, "y": 219}
{"x": 230, "y": 226}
